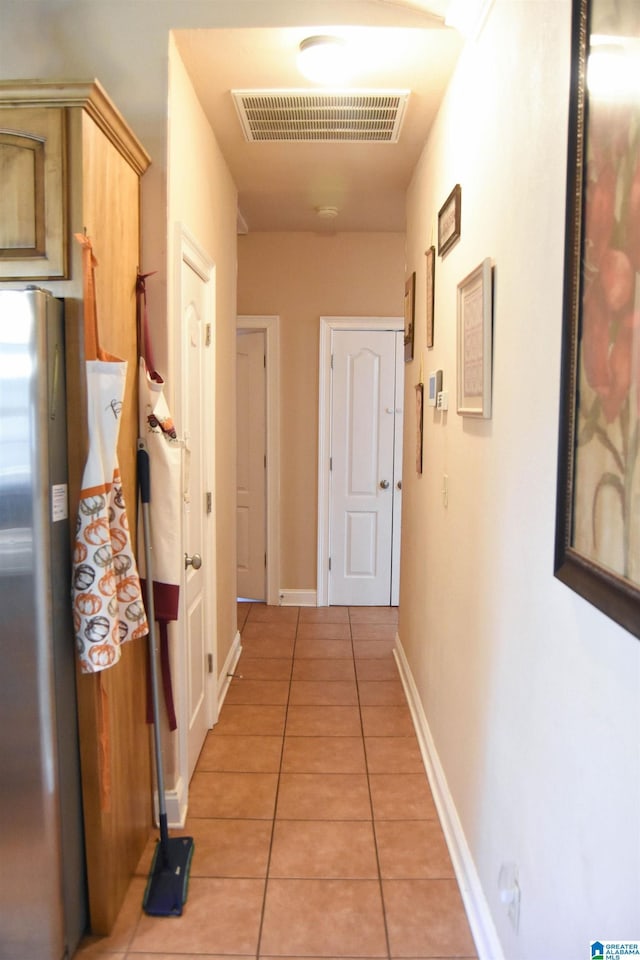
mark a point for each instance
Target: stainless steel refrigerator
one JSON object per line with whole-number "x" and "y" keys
{"x": 42, "y": 875}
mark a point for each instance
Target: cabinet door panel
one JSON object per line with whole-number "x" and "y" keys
{"x": 32, "y": 194}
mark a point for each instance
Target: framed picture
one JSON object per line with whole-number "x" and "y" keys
{"x": 431, "y": 278}
{"x": 409, "y": 316}
{"x": 597, "y": 551}
{"x": 419, "y": 425}
{"x": 449, "y": 220}
{"x": 475, "y": 303}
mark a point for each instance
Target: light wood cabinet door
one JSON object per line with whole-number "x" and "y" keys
{"x": 32, "y": 194}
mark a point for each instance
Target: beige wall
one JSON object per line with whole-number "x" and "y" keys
{"x": 301, "y": 277}
{"x": 531, "y": 696}
{"x": 203, "y": 197}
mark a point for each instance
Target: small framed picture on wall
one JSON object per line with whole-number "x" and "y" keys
{"x": 419, "y": 425}
{"x": 431, "y": 277}
{"x": 449, "y": 220}
{"x": 409, "y": 316}
{"x": 474, "y": 350}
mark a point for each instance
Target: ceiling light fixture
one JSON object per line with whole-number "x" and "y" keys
{"x": 327, "y": 212}
{"x": 323, "y": 59}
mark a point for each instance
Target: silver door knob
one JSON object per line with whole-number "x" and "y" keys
{"x": 195, "y": 561}
{"x": 384, "y": 484}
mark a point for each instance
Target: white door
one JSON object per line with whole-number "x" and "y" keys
{"x": 251, "y": 465}
{"x": 363, "y": 476}
{"x": 199, "y": 577}
{"x": 397, "y": 472}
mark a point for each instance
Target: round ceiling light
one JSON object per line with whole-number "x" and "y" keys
{"x": 323, "y": 59}
{"x": 327, "y": 212}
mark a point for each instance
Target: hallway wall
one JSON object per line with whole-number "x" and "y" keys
{"x": 203, "y": 197}
{"x": 301, "y": 277}
{"x": 531, "y": 695}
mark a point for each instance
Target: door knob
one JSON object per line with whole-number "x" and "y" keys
{"x": 384, "y": 484}
{"x": 399, "y": 484}
{"x": 195, "y": 561}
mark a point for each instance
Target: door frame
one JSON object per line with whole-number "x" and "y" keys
{"x": 327, "y": 327}
{"x": 188, "y": 250}
{"x": 270, "y": 325}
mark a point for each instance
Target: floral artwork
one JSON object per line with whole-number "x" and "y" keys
{"x": 606, "y": 508}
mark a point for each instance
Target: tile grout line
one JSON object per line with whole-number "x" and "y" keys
{"x": 373, "y": 823}
{"x": 277, "y": 794}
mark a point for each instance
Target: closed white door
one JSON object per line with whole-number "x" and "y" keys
{"x": 251, "y": 465}
{"x": 397, "y": 471}
{"x": 199, "y": 577}
{"x": 365, "y": 425}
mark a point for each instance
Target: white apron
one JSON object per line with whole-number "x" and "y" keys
{"x": 107, "y": 596}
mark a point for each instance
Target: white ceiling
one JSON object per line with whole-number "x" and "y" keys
{"x": 281, "y": 185}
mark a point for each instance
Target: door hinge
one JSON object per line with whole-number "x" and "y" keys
{"x": 265, "y": 461}
{"x": 329, "y": 563}
{"x": 207, "y": 335}
{"x": 332, "y": 361}
{"x": 209, "y": 502}
{"x": 210, "y": 662}
{"x": 265, "y": 561}
{"x": 330, "y": 464}
{"x": 264, "y": 361}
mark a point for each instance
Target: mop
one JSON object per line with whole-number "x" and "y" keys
{"x": 166, "y": 889}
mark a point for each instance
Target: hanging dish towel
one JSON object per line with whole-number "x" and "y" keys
{"x": 157, "y": 431}
{"x": 107, "y": 596}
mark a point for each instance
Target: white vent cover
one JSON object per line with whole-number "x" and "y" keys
{"x": 303, "y": 116}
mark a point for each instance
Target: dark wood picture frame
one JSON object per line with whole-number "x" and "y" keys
{"x": 449, "y": 217}
{"x": 419, "y": 425}
{"x": 597, "y": 545}
{"x": 409, "y": 316}
{"x": 430, "y": 290}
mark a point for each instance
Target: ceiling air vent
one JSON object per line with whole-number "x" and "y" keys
{"x": 301, "y": 116}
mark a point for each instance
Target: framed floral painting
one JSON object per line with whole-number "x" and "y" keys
{"x": 598, "y": 510}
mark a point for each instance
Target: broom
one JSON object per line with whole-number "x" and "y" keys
{"x": 166, "y": 889}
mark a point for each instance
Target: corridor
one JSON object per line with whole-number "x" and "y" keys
{"x": 315, "y": 830}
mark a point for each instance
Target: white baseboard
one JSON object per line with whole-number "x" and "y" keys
{"x": 298, "y": 598}
{"x": 483, "y": 929}
{"x": 175, "y": 801}
{"x": 230, "y": 664}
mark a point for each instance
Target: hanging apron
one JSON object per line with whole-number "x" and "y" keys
{"x": 107, "y": 597}
{"x": 106, "y": 591}
{"x": 157, "y": 431}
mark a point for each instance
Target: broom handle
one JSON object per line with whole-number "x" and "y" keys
{"x": 144, "y": 482}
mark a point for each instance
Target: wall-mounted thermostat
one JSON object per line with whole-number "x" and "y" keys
{"x": 435, "y": 386}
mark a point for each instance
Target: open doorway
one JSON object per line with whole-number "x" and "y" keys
{"x": 258, "y": 468}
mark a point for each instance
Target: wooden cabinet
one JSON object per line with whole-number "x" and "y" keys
{"x": 32, "y": 194}
{"x": 99, "y": 193}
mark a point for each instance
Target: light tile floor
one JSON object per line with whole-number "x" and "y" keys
{"x": 315, "y": 830}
